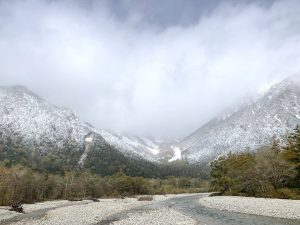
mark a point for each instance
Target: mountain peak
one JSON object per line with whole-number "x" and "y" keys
{"x": 295, "y": 78}
{"x": 287, "y": 82}
{"x": 251, "y": 127}
{"x": 27, "y": 117}
{"x": 18, "y": 89}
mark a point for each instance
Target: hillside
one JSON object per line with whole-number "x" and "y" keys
{"x": 45, "y": 137}
{"x": 251, "y": 127}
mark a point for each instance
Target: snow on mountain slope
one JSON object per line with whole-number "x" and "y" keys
{"x": 148, "y": 148}
{"x": 34, "y": 122}
{"x": 251, "y": 127}
{"x": 143, "y": 147}
{"x": 27, "y": 119}
{"x": 177, "y": 154}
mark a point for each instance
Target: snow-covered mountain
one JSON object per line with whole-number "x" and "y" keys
{"x": 143, "y": 147}
{"x": 29, "y": 120}
{"x": 148, "y": 148}
{"x": 251, "y": 127}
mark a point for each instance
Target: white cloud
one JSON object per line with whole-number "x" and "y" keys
{"x": 136, "y": 79}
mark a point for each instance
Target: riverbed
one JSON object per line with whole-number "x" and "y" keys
{"x": 187, "y": 209}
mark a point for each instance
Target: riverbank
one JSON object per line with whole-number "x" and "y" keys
{"x": 182, "y": 209}
{"x": 279, "y": 208}
{"x": 89, "y": 212}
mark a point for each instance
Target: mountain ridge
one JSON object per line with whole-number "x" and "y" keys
{"x": 251, "y": 127}
{"x": 33, "y": 122}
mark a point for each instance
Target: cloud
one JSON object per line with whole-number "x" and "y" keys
{"x": 119, "y": 72}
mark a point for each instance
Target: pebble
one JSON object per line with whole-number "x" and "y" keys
{"x": 280, "y": 208}
{"x": 161, "y": 216}
{"x": 88, "y": 212}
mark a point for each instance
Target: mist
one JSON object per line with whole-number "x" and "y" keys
{"x": 147, "y": 68}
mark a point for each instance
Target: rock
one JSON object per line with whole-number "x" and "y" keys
{"x": 145, "y": 198}
{"x": 17, "y": 207}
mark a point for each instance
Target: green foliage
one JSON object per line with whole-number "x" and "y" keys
{"x": 44, "y": 173}
{"x": 102, "y": 159}
{"x": 126, "y": 185}
{"x": 270, "y": 172}
{"x": 291, "y": 154}
{"x": 106, "y": 160}
{"x": 52, "y": 160}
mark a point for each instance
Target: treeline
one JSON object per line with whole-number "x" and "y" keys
{"x": 31, "y": 174}
{"x": 103, "y": 159}
{"x": 269, "y": 172}
{"x": 23, "y": 185}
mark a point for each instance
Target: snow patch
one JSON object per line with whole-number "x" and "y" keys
{"x": 89, "y": 139}
{"x": 177, "y": 154}
{"x": 154, "y": 150}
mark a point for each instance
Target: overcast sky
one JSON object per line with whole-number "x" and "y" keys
{"x": 156, "y": 67}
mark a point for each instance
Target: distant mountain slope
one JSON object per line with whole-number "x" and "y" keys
{"x": 35, "y": 122}
{"x": 251, "y": 127}
{"x": 54, "y": 138}
{"x": 30, "y": 120}
{"x": 147, "y": 148}
{"x": 143, "y": 147}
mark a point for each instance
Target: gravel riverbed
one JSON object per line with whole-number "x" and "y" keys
{"x": 187, "y": 209}
{"x": 280, "y": 208}
{"x": 163, "y": 215}
{"x": 84, "y": 212}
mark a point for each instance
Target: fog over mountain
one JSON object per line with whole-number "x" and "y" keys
{"x": 149, "y": 68}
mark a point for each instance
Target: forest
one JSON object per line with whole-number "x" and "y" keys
{"x": 30, "y": 175}
{"x": 269, "y": 172}
{"x": 26, "y": 178}
{"x": 19, "y": 184}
